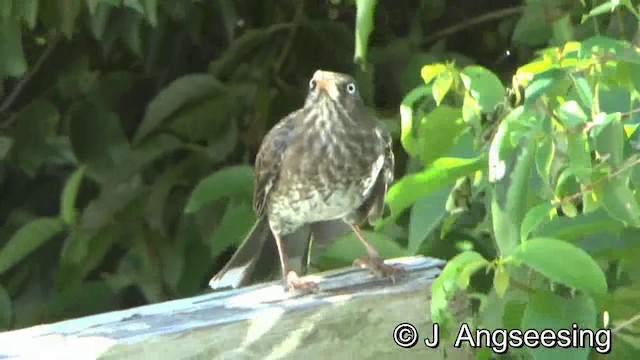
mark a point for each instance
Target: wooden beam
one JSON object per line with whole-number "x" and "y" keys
{"x": 353, "y": 316}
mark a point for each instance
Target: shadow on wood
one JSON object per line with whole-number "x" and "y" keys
{"x": 353, "y": 316}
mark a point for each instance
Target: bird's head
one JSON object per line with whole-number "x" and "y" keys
{"x": 333, "y": 87}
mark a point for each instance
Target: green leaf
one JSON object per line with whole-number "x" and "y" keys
{"x": 69, "y": 11}
{"x": 468, "y": 269}
{"x": 446, "y": 284}
{"x": 93, "y": 130}
{"x": 442, "y": 85}
{"x": 429, "y": 72}
{"x": 28, "y": 11}
{"x": 181, "y": 92}
{"x": 541, "y": 84}
{"x": 345, "y": 249}
{"x": 12, "y": 61}
{"x": 546, "y": 310}
{"x": 6, "y": 312}
{"x": 501, "y": 281}
{"x": 408, "y": 110}
{"x": 620, "y": 202}
{"x": 610, "y": 141}
{"x": 571, "y": 115}
{"x": 544, "y": 158}
{"x": 563, "y": 263}
{"x": 510, "y": 171}
{"x": 484, "y": 86}
{"x": 364, "y": 26}
{"x": 5, "y": 146}
{"x": 573, "y": 229}
{"x": 579, "y": 156}
{"x": 426, "y": 214}
{"x": 233, "y": 227}
{"x": 68, "y": 211}
{"x": 36, "y": 126}
{"x": 232, "y": 182}
{"x": 445, "y": 121}
{"x": 535, "y": 216}
{"x": 27, "y": 239}
{"x": 584, "y": 91}
{"x": 151, "y": 9}
{"x": 442, "y": 172}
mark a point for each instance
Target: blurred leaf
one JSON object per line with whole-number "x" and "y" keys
{"x": 442, "y": 172}
{"x": 83, "y": 253}
{"x": 429, "y": 72}
{"x": 484, "y": 86}
{"x": 364, "y": 26}
{"x": 579, "y": 156}
{"x": 244, "y": 47}
{"x": 90, "y": 297}
{"x": 68, "y": 211}
{"x": 510, "y": 163}
{"x": 181, "y": 92}
{"x": 447, "y": 123}
{"x": 446, "y": 284}
{"x": 28, "y": 11}
{"x": 546, "y": 310}
{"x": 12, "y": 61}
{"x": 442, "y": 85}
{"x": 407, "y": 114}
{"x": 238, "y": 219}
{"x": 541, "y": 84}
{"x": 6, "y": 313}
{"x": 426, "y": 214}
{"x": 233, "y": 182}
{"x": 30, "y": 237}
{"x": 36, "y": 126}
{"x": 345, "y": 249}
{"x": 69, "y": 11}
{"x": 206, "y": 120}
{"x": 5, "y": 146}
{"x": 619, "y": 201}
{"x": 563, "y": 263}
{"x": 584, "y": 91}
{"x": 534, "y": 217}
{"x": 571, "y": 115}
{"x": 468, "y": 269}
{"x": 501, "y": 280}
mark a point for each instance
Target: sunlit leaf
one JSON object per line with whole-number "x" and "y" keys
{"x": 442, "y": 172}
{"x": 563, "y": 263}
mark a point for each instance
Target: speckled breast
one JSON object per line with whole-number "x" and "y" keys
{"x": 322, "y": 179}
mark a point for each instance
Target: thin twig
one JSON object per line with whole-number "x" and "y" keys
{"x": 626, "y": 323}
{"x": 6, "y": 104}
{"x": 589, "y": 188}
{"x": 498, "y": 14}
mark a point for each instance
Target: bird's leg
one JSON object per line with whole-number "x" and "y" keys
{"x": 374, "y": 263}
{"x": 290, "y": 276}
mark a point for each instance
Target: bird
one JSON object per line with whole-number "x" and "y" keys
{"x": 323, "y": 166}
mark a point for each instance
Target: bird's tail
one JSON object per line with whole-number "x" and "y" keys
{"x": 257, "y": 259}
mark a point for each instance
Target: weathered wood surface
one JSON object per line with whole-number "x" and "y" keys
{"x": 353, "y": 316}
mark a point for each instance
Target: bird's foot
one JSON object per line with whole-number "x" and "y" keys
{"x": 294, "y": 282}
{"x": 379, "y": 268}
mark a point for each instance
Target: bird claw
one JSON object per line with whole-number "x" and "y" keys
{"x": 379, "y": 268}
{"x": 294, "y": 282}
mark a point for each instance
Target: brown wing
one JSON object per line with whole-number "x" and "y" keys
{"x": 269, "y": 159}
{"x": 373, "y": 206}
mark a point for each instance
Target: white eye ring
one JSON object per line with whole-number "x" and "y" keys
{"x": 312, "y": 84}
{"x": 351, "y": 88}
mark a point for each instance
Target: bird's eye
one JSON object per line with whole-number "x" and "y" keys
{"x": 312, "y": 84}
{"x": 351, "y": 88}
